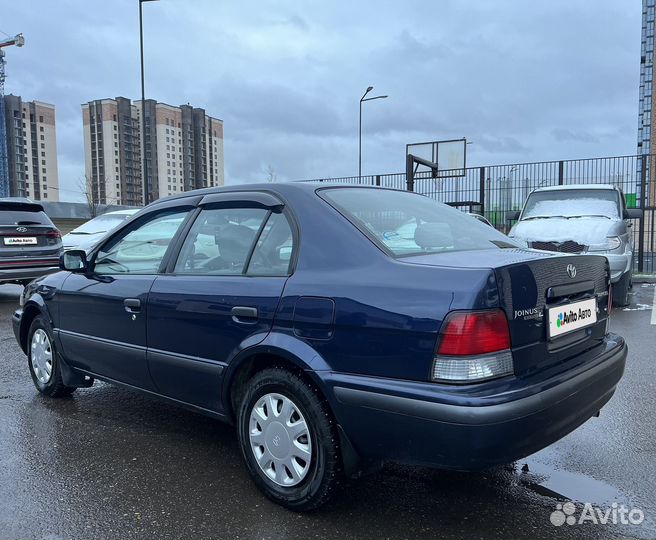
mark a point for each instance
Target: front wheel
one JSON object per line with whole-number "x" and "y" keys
{"x": 289, "y": 440}
{"x": 43, "y": 361}
{"x": 621, "y": 290}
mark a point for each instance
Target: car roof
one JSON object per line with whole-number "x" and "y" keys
{"x": 577, "y": 186}
{"x": 281, "y": 188}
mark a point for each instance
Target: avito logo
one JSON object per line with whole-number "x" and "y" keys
{"x": 572, "y": 316}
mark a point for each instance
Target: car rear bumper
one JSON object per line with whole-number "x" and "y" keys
{"x": 28, "y": 273}
{"x": 415, "y": 425}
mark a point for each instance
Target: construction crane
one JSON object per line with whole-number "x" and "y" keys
{"x": 19, "y": 41}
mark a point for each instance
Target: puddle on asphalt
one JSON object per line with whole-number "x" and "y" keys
{"x": 568, "y": 485}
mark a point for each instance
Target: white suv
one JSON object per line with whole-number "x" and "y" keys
{"x": 582, "y": 218}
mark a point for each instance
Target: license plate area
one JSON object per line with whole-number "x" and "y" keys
{"x": 567, "y": 318}
{"x": 20, "y": 241}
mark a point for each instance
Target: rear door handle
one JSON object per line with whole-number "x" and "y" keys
{"x": 132, "y": 305}
{"x": 243, "y": 314}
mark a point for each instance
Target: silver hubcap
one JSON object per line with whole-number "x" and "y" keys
{"x": 41, "y": 354}
{"x": 280, "y": 439}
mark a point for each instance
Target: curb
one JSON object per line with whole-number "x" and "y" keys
{"x": 644, "y": 278}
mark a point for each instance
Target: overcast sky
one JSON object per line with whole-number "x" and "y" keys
{"x": 521, "y": 80}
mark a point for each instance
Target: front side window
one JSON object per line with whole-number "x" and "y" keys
{"x": 405, "y": 224}
{"x": 142, "y": 248}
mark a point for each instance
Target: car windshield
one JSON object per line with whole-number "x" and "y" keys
{"x": 409, "y": 224}
{"x": 570, "y": 203}
{"x": 101, "y": 224}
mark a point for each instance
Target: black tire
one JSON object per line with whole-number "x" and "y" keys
{"x": 621, "y": 291}
{"x": 54, "y": 386}
{"x": 325, "y": 469}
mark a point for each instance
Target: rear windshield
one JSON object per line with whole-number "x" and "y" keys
{"x": 407, "y": 224}
{"x": 22, "y": 217}
{"x": 572, "y": 203}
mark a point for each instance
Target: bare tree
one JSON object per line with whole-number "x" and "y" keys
{"x": 271, "y": 173}
{"x": 92, "y": 195}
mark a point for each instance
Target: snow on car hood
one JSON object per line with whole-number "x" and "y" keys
{"x": 586, "y": 230}
{"x": 82, "y": 241}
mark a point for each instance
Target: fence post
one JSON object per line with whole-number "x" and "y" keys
{"x": 409, "y": 172}
{"x": 481, "y": 189}
{"x": 561, "y": 172}
{"x": 643, "y": 199}
{"x": 378, "y": 179}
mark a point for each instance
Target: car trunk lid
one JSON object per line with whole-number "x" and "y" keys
{"x": 529, "y": 284}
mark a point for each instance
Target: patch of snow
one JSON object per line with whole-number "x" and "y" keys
{"x": 589, "y": 231}
{"x": 573, "y": 207}
{"x": 638, "y": 307}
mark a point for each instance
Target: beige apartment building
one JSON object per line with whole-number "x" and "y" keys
{"x": 31, "y": 149}
{"x": 183, "y": 148}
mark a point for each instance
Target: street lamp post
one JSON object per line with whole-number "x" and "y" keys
{"x": 146, "y": 191}
{"x": 362, "y": 99}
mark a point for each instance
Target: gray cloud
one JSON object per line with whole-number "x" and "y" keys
{"x": 523, "y": 81}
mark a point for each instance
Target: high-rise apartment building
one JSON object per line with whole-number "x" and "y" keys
{"x": 647, "y": 100}
{"x": 183, "y": 148}
{"x": 112, "y": 151}
{"x": 646, "y": 103}
{"x": 31, "y": 149}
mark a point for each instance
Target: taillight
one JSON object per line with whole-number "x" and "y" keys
{"x": 53, "y": 237}
{"x": 473, "y": 346}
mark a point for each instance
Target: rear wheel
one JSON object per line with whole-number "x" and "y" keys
{"x": 43, "y": 361}
{"x": 621, "y": 290}
{"x": 289, "y": 440}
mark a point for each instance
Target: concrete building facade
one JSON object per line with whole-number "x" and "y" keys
{"x": 183, "y": 148}
{"x": 112, "y": 151}
{"x": 31, "y": 149}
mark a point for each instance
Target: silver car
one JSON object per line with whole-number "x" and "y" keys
{"x": 582, "y": 218}
{"x": 87, "y": 235}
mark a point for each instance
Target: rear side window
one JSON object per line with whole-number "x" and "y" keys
{"x": 222, "y": 241}
{"x": 273, "y": 253}
{"x": 405, "y": 224}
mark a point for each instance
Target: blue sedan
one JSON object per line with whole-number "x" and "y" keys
{"x": 298, "y": 313}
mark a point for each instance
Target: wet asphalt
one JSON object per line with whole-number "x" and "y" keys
{"x": 110, "y": 463}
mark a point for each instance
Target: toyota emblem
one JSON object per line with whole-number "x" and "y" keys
{"x": 571, "y": 270}
{"x": 21, "y": 229}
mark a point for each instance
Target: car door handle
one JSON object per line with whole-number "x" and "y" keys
{"x": 132, "y": 305}
{"x": 244, "y": 314}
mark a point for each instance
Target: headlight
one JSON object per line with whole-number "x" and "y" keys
{"x": 21, "y": 300}
{"x": 612, "y": 242}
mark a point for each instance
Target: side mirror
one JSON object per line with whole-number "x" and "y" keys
{"x": 74, "y": 260}
{"x": 632, "y": 213}
{"x": 512, "y": 216}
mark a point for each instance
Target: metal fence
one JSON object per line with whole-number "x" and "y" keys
{"x": 496, "y": 190}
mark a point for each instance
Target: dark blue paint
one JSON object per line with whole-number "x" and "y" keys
{"x": 350, "y": 317}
